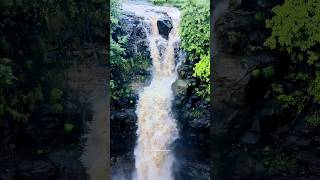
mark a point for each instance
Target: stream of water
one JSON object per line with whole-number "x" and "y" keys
{"x": 157, "y": 129}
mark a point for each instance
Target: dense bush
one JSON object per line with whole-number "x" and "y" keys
{"x": 295, "y": 30}
{"x": 195, "y": 39}
{"x": 177, "y": 3}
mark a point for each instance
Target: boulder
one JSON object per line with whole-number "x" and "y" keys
{"x": 164, "y": 26}
{"x": 180, "y": 87}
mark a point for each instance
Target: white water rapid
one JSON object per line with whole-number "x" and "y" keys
{"x": 157, "y": 129}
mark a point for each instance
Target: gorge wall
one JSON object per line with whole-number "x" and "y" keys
{"x": 252, "y": 137}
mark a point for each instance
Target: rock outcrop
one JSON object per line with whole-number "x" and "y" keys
{"x": 136, "y": 31}
{"x": 164, "y": 26}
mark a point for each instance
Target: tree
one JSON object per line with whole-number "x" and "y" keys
{"x": 295, "y": 30}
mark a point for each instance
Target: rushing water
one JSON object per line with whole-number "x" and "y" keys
{"x": 157, "y": 129}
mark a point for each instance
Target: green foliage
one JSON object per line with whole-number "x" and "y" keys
{"x": 295, "y": 29}
{"x": 259, "y": 17}
{"x": 195, "y": 28}
{"x": 56, "y": 99}
{"x": 28, "y": 31}
{"x": 6, "y": 74}
{"x": 195, "y": 39}
{"x": 294, "y": 99}
{"x": 313, "y": 120}
{"x": 315, "y": 88}
{"x": 125, "y": 72}
{"x": 55, "y": 95}
{"x": 119, "y": 66}
{"x": 202, "y": 70}
{"x": 276, "y": 162}
{"x": 268, "y": 72}
{"x": 256, "y": 73}
{"x": 196, "y": 113}
{"x": 68, "y": 127}
{"x": 177, "y": 3}
{"x": 279, "y": 163}
{"x": 234, "y": 37}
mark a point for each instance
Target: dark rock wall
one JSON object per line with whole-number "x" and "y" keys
{"x": 251, "y": 136}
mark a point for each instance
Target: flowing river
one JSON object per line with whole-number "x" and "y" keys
{"x": 157, "y": 129}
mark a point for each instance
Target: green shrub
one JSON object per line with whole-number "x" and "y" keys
{"x": 259, "y": 16}
{"x": 313, "y": 120}
{"x": 195, "y": 28}
{"x": 55, "y": 95}
{"x": 56, "y": 99}
{"x": 256, "y": 73}
{"x": 6, "y": 74}
{"x": 276, "y": 162}
{"x": 202, "y": 71}
{"x": 195, "y": 39}
{"x": 295, "y": 28}
{"x": 38, "y": 26}
{"x": 315, "y": 88}
{"x": 177, "y": 3}
{"x": 68, "y": 127}
{"x": 268, "y": 72}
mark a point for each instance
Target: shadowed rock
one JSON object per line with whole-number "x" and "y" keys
{"x": 164, "y": 26}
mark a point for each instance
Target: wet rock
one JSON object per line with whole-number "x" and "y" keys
{"x": 68, "y": 164}
{"x": 36, "y": 170}
{"x": 180, "y": 87}
{"x": 200, "y": 123}
{"x": 122, "y": 103}
{"x": 164, "y": 26}
{"x": 123, "y": 131}
{"x": 193, "y": 170}
{"x": 133, "y": 27}
{"x": 122, "y": 167}
{"x": 184, "y": 71}
{"x": 121, "y": 115}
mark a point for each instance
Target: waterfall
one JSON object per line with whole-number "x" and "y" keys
{"x": 157, "y": 129}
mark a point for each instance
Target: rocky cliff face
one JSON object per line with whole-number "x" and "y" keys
{"x": 252, "y": 136}
{"x": 193, "y": 117}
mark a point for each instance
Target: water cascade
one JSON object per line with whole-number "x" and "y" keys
{"x": 157, "y": 129}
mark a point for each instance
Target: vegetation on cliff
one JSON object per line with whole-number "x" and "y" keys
{"x": 195, "y": 40}
{"x": 124, "y": 70}
{"x": 295, "y": 30}
{"x": 30, "y": 32}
